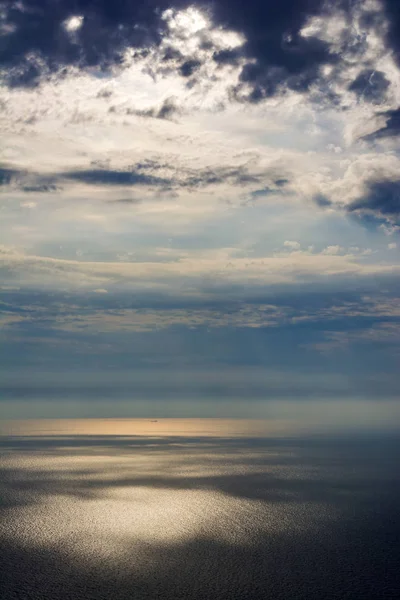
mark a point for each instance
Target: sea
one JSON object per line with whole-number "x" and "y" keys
{"x": 197, "y": 509}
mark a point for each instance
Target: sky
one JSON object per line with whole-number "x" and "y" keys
{"x": 200, "y": 208}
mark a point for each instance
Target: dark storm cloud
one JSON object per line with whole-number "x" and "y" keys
{"x": 37, "y": 42}
{"x": 392, "y": 9}
{"x": 379, "y": 203}
{"x": 382, "y": 197}
{"x": 391, "y": 128}
{"x": 370, "y": 85}
{"x": 277, "y": 55}
{"x": 35, "y": 28}
{"x": 189, "y": 67}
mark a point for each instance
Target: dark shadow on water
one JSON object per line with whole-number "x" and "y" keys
{"x": 356, "y": 561}
{"x": 295, "y": 470}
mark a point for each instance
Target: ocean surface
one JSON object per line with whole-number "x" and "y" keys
{"x": 197, "y": 509}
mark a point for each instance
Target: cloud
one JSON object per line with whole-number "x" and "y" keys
{"x": 26, "y": 181}
{"x": 377, "y": 335}
{"x": 43, "y": 40}
{"x": 113, "y": 177}
{"x": 297, "y": 46}
{"x": 277, "y": 53}
{"x": 322, "y": 201}
{"x": 381, "y": 198}
{"x": 292, "y": 245}
{"x": 92, "y": 316}
{"x": 151, "y": 173}
{"x": 391, "y": 127}
{"x": 197, "y": 268}
{"x": 169, "y": 108}
{"x": 8, "y": 175}
{"x": 392, "y": 12}
{"x": 368, "y": 188}
{"x": 73, "y": 23}
{"x": 217, "y": 153}
{"x": 332, "y": 250}
{"x": 370, "y": 85}
{"x": 186, "y": 184}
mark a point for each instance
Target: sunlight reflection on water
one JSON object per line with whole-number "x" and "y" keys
{"x": 200, "y": 496}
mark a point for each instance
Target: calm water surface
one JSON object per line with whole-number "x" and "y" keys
{"x": 196, "y": 509}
